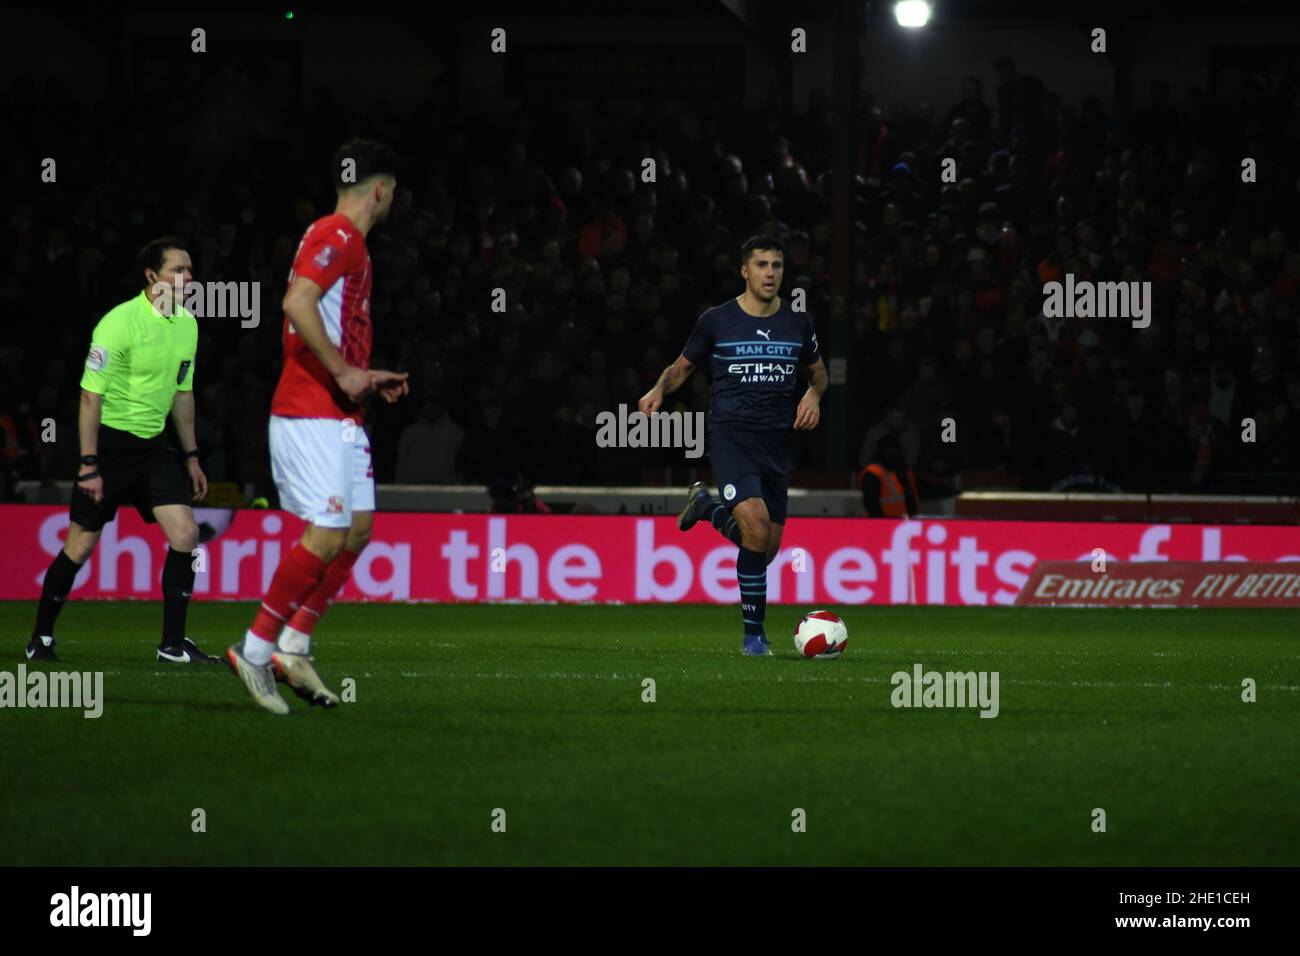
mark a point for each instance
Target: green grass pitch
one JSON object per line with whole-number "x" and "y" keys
{"x": 539, "y": 711}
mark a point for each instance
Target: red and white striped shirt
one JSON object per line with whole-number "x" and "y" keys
{"x": 333, "y": 255}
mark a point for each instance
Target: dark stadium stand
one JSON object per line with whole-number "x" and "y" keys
{"x": 605, "y": 275}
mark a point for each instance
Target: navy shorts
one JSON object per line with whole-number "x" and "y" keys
{"x": 752, "y": 465}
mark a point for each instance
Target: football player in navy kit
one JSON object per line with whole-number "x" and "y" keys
{"x": 755, "y": 344}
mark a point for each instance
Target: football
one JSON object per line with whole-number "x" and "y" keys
{"x": 821, "y": 635}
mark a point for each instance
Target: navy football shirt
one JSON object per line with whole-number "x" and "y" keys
{"x": 755, "y": 364}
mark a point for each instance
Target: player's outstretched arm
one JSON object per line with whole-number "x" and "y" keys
{"x": 670, "y": 381}
{"x": 391, "y": 385}
{"x": 809, "y": 412}
{"x": 300, "y": 306}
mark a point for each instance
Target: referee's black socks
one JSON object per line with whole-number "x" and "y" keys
{"x": 177, "y": 586}
{"x": 54, "y": 592}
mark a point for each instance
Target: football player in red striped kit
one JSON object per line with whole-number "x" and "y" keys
{"x": 320, "y": 455}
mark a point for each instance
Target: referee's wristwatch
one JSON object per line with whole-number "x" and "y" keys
{"x": 191, "y": 454}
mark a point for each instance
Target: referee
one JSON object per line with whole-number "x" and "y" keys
{"x": 139, "y": 368}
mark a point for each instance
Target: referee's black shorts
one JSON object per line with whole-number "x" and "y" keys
{"x": 144, "y": 472}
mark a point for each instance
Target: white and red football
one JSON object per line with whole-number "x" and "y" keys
{"x": 821, "y": 635}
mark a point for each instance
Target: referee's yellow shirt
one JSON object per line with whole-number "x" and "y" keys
{"x": 139, "y": 359}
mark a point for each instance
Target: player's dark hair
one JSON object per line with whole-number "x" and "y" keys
{"x": 760, "y": 242}
{"x": 370, "y": 159}
{"x": 154, "y": 253}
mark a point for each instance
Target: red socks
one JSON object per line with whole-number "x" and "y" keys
{"x": 336, "y": 573}
{"x": 297, "y": 577}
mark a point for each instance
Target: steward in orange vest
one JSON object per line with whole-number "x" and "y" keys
{"x": 884, "y": 493}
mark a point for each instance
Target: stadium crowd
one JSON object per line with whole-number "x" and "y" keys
{"x": 605, "y": 273}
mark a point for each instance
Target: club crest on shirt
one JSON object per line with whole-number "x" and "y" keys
{"x": 336, "y": 505}
{"x": 97, "y": 359}
{"x": 729, "y": 492}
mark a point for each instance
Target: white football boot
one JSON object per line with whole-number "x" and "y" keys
{"x": 297, "y": 671}
{"x": 260, "y": 681}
